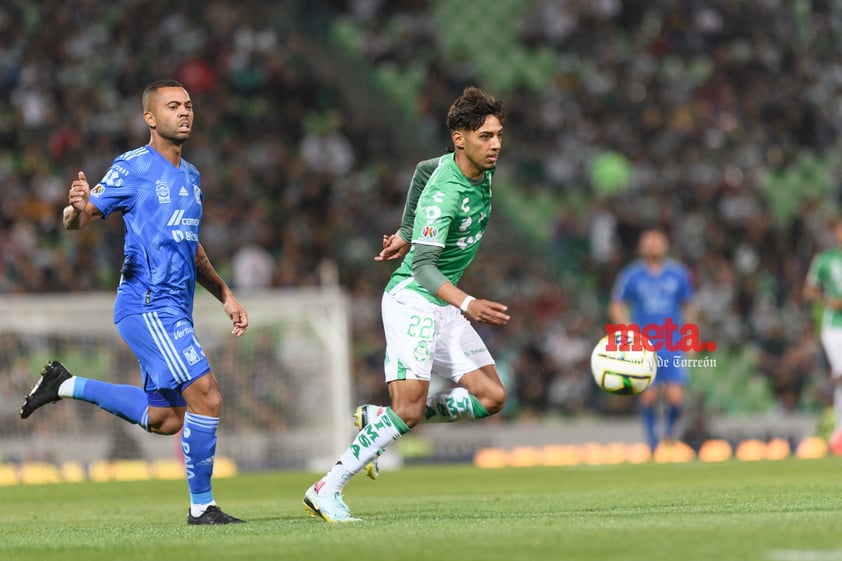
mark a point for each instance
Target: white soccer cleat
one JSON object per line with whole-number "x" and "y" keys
{"x": 330, "y": 507}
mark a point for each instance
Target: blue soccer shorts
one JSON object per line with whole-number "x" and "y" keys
{"x": 671, "y": 368}
{"x": 170, "y": 356}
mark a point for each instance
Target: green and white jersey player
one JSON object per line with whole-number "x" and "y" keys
{"x": 425, "y": 315}
{"x": 824, "y": 285}
{"x": 450, "y": 216}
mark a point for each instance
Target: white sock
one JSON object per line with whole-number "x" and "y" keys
{"x": 198, "y": 510}
{"x": 381, "y": 431}
{"x": 453, "y": 405}
{"x": 66, "y": 387}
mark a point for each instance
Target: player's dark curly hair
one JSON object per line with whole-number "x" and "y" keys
{"x": 471, "y": 108}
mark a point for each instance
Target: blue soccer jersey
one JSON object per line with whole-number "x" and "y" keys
{"x": 162, "y": 210}
{"x": 653, "y": 298}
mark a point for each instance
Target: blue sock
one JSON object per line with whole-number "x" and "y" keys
{"x": 127, "y": 402}
{"x": 198, "y": 442}
{"x": 648, "y": 416}
{"x": 673, "y": 413}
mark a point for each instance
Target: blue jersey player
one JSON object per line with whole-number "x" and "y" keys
{"x": 158, "y": 195}
{"x": 656, "y": 291}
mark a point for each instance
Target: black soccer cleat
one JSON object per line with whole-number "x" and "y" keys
{"x": 46, "y": 389}
{"x": 213, "y": 515}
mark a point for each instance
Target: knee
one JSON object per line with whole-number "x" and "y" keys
{"x": 168, "y": 424}
{"x": 409, "y": 414}
{"x": 213, "y": 404}
{"x": 204, "y": 396}
{"x": 494, "y": 400}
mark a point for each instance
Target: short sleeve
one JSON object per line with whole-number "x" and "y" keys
{"x": 116, "y": 190}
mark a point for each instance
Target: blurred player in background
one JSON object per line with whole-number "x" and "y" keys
{"x": 648, "y": 291}
{"x": 824, "y": 285}
{"x": 425, "y": 314}
{"x": 158, "y": 195}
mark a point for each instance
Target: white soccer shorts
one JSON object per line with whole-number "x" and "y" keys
{"x": 832, "y": 342}
{"x": 423, "y": 338}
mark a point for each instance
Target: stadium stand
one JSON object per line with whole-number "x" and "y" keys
{"x": 718, "y": 120}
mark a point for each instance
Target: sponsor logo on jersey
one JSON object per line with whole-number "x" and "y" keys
{"x": 163, "y": 192}
{"x": 178, "y": 218}
{"x": 183, "y": 192}
{"x": 430, "y": 232}
{"x": 182, "y": 332}
{"x": 181, "y": 235}
{"x": 175, "y": 219}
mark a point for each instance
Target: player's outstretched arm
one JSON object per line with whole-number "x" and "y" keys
{"x": 477, "y": 309}
{"x": 426, "y": 272}
{"x": 207, "y": 276}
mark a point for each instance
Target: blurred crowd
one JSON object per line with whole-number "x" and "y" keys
{"x": 305, "y": 162}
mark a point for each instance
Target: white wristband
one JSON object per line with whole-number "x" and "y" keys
{"x": 468, "y": 299}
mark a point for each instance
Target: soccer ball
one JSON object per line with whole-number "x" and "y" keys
{"x": 628, "y": 369}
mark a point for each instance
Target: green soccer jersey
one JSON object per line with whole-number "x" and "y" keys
{"x": 452, "y": 213}
{"x": 826, "y": 273}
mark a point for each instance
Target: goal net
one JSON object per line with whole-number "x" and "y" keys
{"x": 286, "y": 383}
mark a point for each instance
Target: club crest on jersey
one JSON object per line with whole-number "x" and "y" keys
{"x": 163, "y": 192}
{"x": 430, "y": 232}
{"x": 191, "y": 355}
{"x": 422, "y": 352}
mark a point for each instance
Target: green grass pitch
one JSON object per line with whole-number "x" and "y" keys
{"x": 768, "y": 510}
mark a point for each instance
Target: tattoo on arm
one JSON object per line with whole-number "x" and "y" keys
{"x": 206, "y": 275}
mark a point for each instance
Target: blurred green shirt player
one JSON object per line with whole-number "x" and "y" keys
{"x": 824, "y": 285}
{"x": 824, "y": 279}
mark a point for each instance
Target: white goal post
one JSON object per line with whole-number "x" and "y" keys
{"x": 286, "y": 383}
